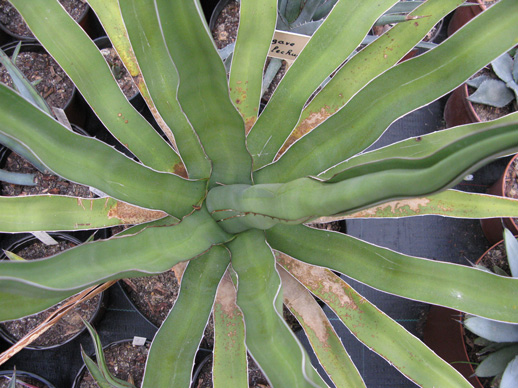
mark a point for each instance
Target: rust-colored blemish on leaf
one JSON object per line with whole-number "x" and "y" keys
{"x": 396, "y": 208}
{"x": 304, "y": 305}
{"x": 80, "y": 203}
{"x": 227, "y": 297}
{"x": 304, "y": 127}
{"x": 130, "y": 214}
{"x": 317, "y": 278}
{"x": 179, "y": 169}
{"x": 249, "y": 123}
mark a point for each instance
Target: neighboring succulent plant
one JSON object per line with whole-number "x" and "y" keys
{"x": 499, "y": 339}
{"x": 501, "y": 91}
{"x": 224, "y": 196}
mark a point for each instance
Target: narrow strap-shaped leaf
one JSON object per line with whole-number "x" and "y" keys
{"x": 203, "y": 90}
{"x": 375, "y": 329}
{"x": 70, "y": 156}
{"x": 102, "y": 368}
{"x": 94, "y": 370}
{"x": 374, "y": 59}
{"x": 254, "y": 36}
{"x": 269, "y": 340}
{"x": 412, "y": 84}
{"x": 435, "y": 282}
{"x": 362, "y": 186}
{"x": 419, "y": 146}
{"x": 109, "y": 15}
{"x": 174, "y": 347}
{"x": 340, "y": 34}
{"x": 85, "y": 65}
{"x": 320, "y": 332}
{"x": 230, "y": 362}
{"x": 449, "y": 203}
{"x": 53, "y": 213}
{"x": 161, "y": 79}
{"x": 152, "y": 251}
{"x": 16, "y": 306}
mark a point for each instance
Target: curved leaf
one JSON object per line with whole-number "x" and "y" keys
{"x": 496, "y": 362}
{"x": 325, "y": 343}
{"x": 53, "y": 213}
{"x": 269, "y": 340}
{"x": 264, "y": 205}
{"x": 230, "y": 360}
{"x": 151, "y": 251}
{"x": 339, "y": 35}
{"x": 444, "y": 284}
{"x": 510, "y": 376}
{"x": 492, "y": 330}
{"x": 375, "y": 329}
{"x": 176, "y": 342}
{"x": 70, "y": 156}
{"x": 202, "y": 80}
{"x": 161, "y": 79}
{"x": 449, "y": 203}
{"x": 254, "y": 36}
{"x": 85, "y": 65}
{"x": 373, "y": 60}
{"x": 412, "y": 83}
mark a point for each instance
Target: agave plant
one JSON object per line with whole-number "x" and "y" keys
{"x": 223, "y": 195}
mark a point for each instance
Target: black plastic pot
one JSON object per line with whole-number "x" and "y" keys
{"x": 26, "y": 375}
{"x": 73, "y": 108}
{"x": 86, "y": 20}
{"x": 136, "y": 100}
{"x": 27, "y": 240}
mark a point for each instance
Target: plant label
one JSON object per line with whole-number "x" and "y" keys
{"x": 287, "y": 45}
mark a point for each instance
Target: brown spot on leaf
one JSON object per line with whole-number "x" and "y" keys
{"x": 130, "y": 214}
{"x": 304, "y": 127}
{"x": 179, "y": 169}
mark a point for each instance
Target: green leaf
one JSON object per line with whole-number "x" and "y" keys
{"x": 106, "y": 376}
{"x": 449, "y": 203}
{"x": 420, "y": 146}
{"x": 375, "y": 329}
{"x": 14, "y": 306}
{"x": 492, "y": 330}
{"x": 86, "y": 67}
{"x": 70, "y": 156}
{"x": 323, "y": 339}
{"x": 434, "y": 282}
{"x": 492, "y": 92}
{"x": 203, "y": 79}
{"x": 161, "y": 78}
{"x": 339, "y": 35}
{"x": 269, "y": 340}
{"x": 254, "y": 36}
{"x": 21, "y": 83}
{"x": 511, "y": 248}
{"x": 53, "y": 213}
{"x": 152, "y": 251}
{"x": 175, "y": 344}
{"x": 17, "y": 178}
{"x": 230, "y": 358}
{"x": 510, "y": 376}
{"x": 412, "y": 83}
{"x": 496, "y": 362}
{"x": 263, "y": 205}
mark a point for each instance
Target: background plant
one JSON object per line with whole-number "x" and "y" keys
{"x": 501, "y": 91}
{"x": 499, "y": 340}
{"x": 233, "y": 206}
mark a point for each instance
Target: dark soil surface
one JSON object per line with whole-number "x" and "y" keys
{"x": 13, "y": 21}
{"x": 54, "y": 85}
{"x": 68, "y": 326}
{"x": 123, "y": 77}
{"x": 154, "y": 296}
{"x": 45, "y": 183}
{"x": 256, "y": 378}
{"x": 22, "y": 382}
{"x": 124, "y": 361}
